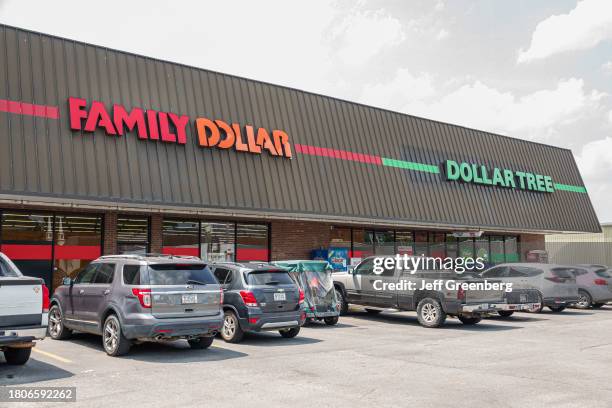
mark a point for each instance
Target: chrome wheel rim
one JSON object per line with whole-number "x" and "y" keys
{"x": 229, "y": 326}
{"x": 583, "y": 301}
{"x": 340, "y": 300}
{"x": 55, "y": 322}
{"x": 429, "y": 312}
{"x": 111, "y": 335}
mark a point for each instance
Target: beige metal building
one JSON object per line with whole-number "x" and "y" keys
{"x": 593, "y": 248}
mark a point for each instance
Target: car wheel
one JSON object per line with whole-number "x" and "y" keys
{"x": 289, "y": 333}
{"x": 540, "y": 308}
{"x": 597, "y": 305}
{"x": 342, "y": 301}
{"x": 331, "y": 321}
{"x": 231, "y": 331}
{"x": 373, "y": 311}
{"x": 557, "y": 309}
{"x": 56, "y": 328}
{"x": 114, "y": 342}
{"x": 430, "y": 313}
{"x": 584, "y": 300}
{"x": 506, "y": 313}
{"x": 17, "y": 356}
{"x": 201, "y": 343}
{"x": 470, "y": 320}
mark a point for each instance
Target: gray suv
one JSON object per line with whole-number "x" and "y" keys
{"x": 133, "y": 298}
{"x": 258, "y": 296}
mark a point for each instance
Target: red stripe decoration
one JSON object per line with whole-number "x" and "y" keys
{"x": 337, "y": 154}
{"x": 85, "y": 252}
{"x": 17, "y": 252}
{"x": 251, "y": 254}
{"x": 180, "y": 251}
{"x": 29, "y": 109}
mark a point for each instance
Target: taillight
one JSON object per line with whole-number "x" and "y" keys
{"x": 460, "y": 293}
{"x": 144, "y": 296}
{"x": 301, "y": 296}
{"x": 221, "y": 297}
{"x": 45, "y": 298}
{"x": 601, "y": 282}
{"x": 248, "y": 298}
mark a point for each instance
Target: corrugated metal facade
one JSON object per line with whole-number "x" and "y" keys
{"x": 43, "y": 157}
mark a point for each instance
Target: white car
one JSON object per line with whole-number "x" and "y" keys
{"x": 24, "y": 306}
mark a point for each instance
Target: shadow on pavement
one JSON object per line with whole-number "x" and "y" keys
{"x": 33, "y": 371}
{"x": 160, "y": 352}
{"x": 323, "y": 326}
{"x": 273, "y": 339}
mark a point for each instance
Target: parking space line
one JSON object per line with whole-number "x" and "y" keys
{"x": 53, "y": 356}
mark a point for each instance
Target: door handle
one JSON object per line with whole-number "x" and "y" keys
{"x": 106, "y": 292}
{"x": 81, "y": 291}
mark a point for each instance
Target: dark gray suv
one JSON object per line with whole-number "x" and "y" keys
{"x": 133, "y": 298}
{"x": 258, "y": 296}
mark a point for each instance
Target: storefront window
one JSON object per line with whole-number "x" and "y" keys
{"x": 437, "y": 247}
{"x": 181, "y": 237}
{"x": 363, "y": 243}
{"x": 466, "y": 247}
{"x": 511, "y": 247}
{"x": 497, "y": 250}
{"x": 78, "y": 241}
{"x": 420, "y": 243}
{"x": 405, "y": 242}
{"x": 340, "y": 237}
{"x": 452, "y": 249}
{"x": 27, "y": 240}
{"x": 218, "y": 239}
{"x": 481, "y": 246}
{"x": 252, "y": 242}
{"x": 384, "y": 243}
{"x": 132, "y": 235}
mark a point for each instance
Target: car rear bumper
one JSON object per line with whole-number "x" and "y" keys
{"x": 496, "y": 307}
{"x": 560, "y": 301}
{"x": 174, "y": 328}
{"x": 16, "y": 337}
{"x": 273, "y": 321}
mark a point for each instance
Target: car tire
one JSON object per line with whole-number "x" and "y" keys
{"x": 289, "y": 333}
{"x": 55, "y": 328}
{"x": 430, "y": 313}
{"x": 114, "y": 342}
{"x": 231, "y": 331}
{"x": 556, "y": 309}
{"x": 331, "y": 321}
{"x": 201, "y": 343}
{"x": 597, "y": 305}
{"x": 470, "y": 320}
{"x": 585, "y": 300}
{"x": 373, "y": 311}
{"x": 505, "y": 313}
{"x": 17, "y": 356}
{"x": 342, "y": 301}
{"x": 541, "y": 302}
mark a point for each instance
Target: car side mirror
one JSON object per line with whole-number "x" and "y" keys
{"x": 67, "y": 281}
{"x": 351, "y": 269}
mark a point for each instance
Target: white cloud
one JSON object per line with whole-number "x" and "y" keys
{"x": 595, "y": 164}
{"x": 439, "y": 6}
{"x": 402, "y": 89}
{"x": 607, "y": 67}
{"x": 363, "y": 34}
{"x": 442, "y": 34}
{"x": 582, "y": 28}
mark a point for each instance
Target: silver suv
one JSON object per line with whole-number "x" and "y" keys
{"x": 128, "y": 298}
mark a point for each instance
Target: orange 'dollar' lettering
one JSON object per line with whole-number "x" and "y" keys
{"x": 224, "y": 136}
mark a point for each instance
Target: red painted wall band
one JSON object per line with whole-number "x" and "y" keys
{"x": 29, "y": 109}
{"x": 27, "y": 252}
{"x": 337, "y": 154}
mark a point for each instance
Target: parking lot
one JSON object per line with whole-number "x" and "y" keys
{"x": 530, "y": 360}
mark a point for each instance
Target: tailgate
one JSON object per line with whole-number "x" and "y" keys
{"x": 20, "y": 302}
{"x": 277, "y": 298}
{"x": 483, "y": 295}
{"x": 180, "y": 301}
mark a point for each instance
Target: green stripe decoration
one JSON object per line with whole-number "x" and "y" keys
{"x": 428, "y": 168}
{"x": 573, "y": 189}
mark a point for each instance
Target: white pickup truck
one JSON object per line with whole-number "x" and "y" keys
{"x": 24, "y": 304}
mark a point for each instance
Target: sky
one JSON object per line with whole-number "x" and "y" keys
{"x": 539, "y": 70}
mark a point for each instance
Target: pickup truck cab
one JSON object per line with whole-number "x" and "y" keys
{"x": 24, "y": 304}
{"x": 434, "y": 295}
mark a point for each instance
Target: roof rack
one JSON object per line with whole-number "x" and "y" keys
{"x": 148, "y": 255}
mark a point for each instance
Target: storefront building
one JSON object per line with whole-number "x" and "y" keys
{"x": 105, "y": 152}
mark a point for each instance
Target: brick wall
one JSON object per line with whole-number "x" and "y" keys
{"x": 529, "y": 242}
{"x": 296, "y": 239}
{"x": 110, "y": 233}
{"x": 156, "y": 233}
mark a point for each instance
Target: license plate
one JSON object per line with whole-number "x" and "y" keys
{"x": 280, "y": 296}
{"x": 523, "y": 298}
{"x": 192, "y": 298}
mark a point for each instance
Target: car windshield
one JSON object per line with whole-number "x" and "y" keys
{"x": 180, "y": 274}
{"x": 8, "y": 269}
{"x": 268, "y": 278}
